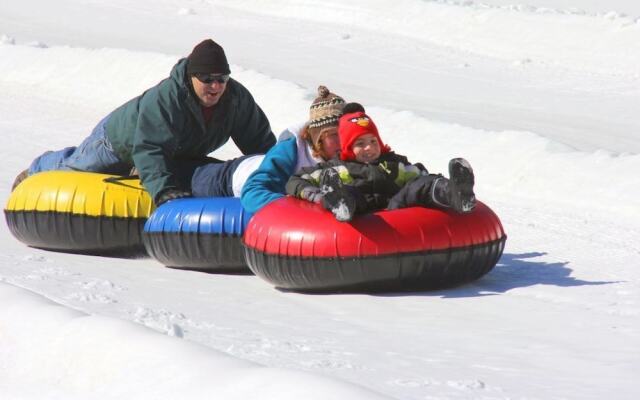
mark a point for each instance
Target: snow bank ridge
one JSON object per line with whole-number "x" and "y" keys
{"x": 49, "y": 351}
{"x": 607, "y": 43}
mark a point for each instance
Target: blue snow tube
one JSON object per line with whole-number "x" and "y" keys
{"x": 203, "y": 234}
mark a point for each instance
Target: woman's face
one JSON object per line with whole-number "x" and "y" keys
{"x": 329, "y": 142}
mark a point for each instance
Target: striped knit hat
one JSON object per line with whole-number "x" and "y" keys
{"x": 325, "y": 111}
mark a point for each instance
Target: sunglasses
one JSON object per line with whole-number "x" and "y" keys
{"x": 210, "y": 78}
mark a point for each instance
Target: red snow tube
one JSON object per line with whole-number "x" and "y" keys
{"x": 299, "y": 246}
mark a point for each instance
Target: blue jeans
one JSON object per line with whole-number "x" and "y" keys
{"x": 208, "y": 177}
{"x": 94, "y": 154}
{"x": 215, "y": 179}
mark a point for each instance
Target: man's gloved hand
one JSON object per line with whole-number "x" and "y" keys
{"x": 312, "y": 194}
{"x": 171, "y": 194}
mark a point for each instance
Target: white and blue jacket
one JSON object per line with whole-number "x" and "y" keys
{"x": 287, "y": 157}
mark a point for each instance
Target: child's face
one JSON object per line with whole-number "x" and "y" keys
{"x": 366, "y": 148}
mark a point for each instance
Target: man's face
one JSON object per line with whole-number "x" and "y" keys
{"x": 366, "y": 148}
{"x": 209, "y": 87}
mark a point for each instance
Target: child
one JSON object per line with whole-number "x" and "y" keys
{"x": 368, "y": 176}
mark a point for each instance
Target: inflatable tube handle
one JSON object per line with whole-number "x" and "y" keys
{"x": 117, "y": 180}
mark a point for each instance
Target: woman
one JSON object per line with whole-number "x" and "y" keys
{"x": 299, "y": 147}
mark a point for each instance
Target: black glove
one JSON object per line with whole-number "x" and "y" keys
{"x": 171, "y": 194}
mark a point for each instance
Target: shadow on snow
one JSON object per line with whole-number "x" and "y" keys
{"x": 511, "y": 272}
{"x": 517, "y": 271}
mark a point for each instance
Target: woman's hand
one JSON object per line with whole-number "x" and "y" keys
{"x": 312, "y": 194}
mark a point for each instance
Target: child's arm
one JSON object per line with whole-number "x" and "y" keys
{"x": 403, "y": 170}
{"x": 305, "y": 185}
{"x": 409, "y": 172}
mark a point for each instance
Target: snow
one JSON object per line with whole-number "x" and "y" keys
{"x": 540, "y": 96}
{"x": 88, "y": 355}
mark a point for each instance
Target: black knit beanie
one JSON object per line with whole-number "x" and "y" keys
{"x": 207, "y": 57}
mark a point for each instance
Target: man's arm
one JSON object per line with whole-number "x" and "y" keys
{"x": 154, "y": 146}
{"x": 252, "y": 132}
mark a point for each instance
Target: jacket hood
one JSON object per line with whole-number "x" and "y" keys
{"x": 179, "y": 73}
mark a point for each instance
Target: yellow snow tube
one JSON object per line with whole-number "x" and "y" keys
{"x": 80, "y": 212}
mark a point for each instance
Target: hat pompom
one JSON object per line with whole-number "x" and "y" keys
{"x": 323, "y": 91}
{"x": 352, "y": 108}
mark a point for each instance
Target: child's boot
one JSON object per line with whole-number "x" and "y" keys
{"x": 336, "y": 198}
{"x": 460, "y": 186}
{"x": 440, "y": 192}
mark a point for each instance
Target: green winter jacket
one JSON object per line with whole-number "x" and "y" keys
{"x": 164, "y": 125}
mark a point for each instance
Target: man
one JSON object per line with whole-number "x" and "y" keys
{"x": 167, "y": 132}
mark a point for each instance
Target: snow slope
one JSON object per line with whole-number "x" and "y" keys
{"x": 557, "y": 318}
{"x": 559, "y": 73}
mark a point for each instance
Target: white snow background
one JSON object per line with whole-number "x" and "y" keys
{"x": 545, "y": 104}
